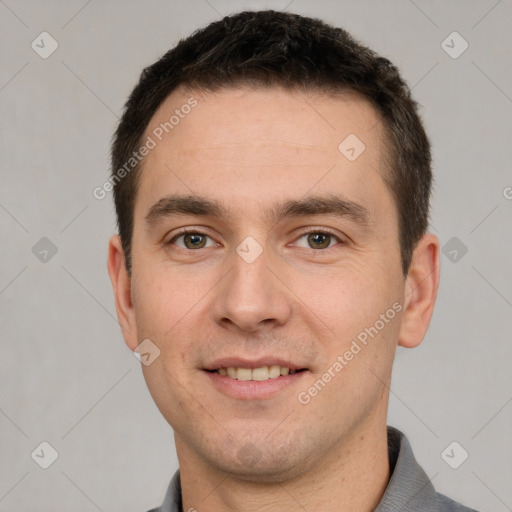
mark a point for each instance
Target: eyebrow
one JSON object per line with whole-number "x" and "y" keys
{"x": 180, "y": 205}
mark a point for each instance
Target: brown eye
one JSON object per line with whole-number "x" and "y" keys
{"x": 191, "y": 240}
{"x": 194, "y": 240}
{"x": 319, "y": 240}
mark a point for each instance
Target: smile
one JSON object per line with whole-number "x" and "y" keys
{"x": 258, "y": 374}
{"x": 257, "y": 383}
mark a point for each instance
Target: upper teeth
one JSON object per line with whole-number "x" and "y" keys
{"x": 263, "y": 373}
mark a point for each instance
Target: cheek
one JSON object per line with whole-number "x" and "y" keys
{"x": 160, "y": 304}
{"x": 356, "y": 314}
{"x": 344, "y": 299}
{"x": 172, "y": 311}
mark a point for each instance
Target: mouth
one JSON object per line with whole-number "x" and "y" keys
{"x": 260, "y": 374}
{"x": 253, "y": 380}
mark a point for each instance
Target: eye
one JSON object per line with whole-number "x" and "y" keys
{"x": 188, "y": 239}
{"x": 319, "y": 239}
{"x": 191, "y": 240}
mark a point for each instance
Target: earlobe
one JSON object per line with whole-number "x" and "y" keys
{"x": 121, "y": 284}
{"x": 421, "y": 288}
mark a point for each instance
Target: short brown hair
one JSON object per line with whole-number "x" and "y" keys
{"x": 271, "y": 48}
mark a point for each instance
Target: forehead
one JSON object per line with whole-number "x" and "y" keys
{"x": 313, "y": 119}
{"x": 246, "y": 146}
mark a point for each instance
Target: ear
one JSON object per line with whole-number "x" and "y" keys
{"x": 421, "y": 288}
{"x": 121, "y": 283}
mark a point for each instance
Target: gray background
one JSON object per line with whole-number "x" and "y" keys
{"x": 68, "y": 378}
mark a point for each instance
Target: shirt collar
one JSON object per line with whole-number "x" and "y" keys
{"x": 409, "y": 485}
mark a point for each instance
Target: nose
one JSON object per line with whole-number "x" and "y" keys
{"x": 252, "y": 296}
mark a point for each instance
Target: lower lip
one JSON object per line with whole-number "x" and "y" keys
{"x": 253, "y": 389}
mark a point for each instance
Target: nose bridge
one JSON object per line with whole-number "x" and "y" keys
{"x": 251, "y": 295}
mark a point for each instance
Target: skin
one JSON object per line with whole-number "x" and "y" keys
{"x": 250, "y": 149}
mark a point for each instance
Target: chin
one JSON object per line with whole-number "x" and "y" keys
{"x": 264, "y": 472}
{"x": 270, "y": 464}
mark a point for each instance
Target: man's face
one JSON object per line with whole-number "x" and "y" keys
{"x": 250, "y": 288}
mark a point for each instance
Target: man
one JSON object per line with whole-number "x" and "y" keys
{"x": 272, "y": 180}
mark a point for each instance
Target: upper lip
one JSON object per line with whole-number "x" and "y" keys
{"x": 241, "y": 362}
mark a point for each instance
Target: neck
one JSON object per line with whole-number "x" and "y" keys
{"x": 351, "y": 477}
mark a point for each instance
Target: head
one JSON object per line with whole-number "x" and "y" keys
{"x": 263, "y": 49}
{"x": 296, "y": 160}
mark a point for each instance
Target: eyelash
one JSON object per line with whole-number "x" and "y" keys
{"x": 323, "y": 231}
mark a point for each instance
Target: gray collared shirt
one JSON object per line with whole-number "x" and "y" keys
{"x": 409, "y": 488}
